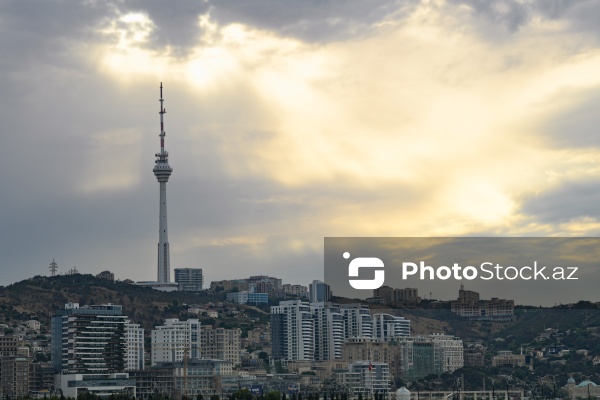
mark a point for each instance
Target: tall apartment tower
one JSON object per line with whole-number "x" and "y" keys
{"x": 89, "y": 339}
{"x": 189, "y": 279}
{"x": 329, "y": 331}
{"x": 357, "y": 321}
{"x": 292, "y": 331}
{"x": 176, "y": 340}
{"x": 319, "y": 292}
{"x": 162, "y": 170}
{"x": 135, "y": 346}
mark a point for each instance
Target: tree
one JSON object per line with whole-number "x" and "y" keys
{"x": 273, "y": 395}
{"x": 242, "y": 394}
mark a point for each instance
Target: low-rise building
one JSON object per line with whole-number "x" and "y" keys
{"x": 248, "y": 297}
{"x": 583, "y": 390}
{"x": 507, "y": 358}
{"x": 103, "y": 385}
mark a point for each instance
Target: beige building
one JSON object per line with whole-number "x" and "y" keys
{"x": 221, "y": 344}
{"x": 14, "y": 374}
{"x": 507, "y": 358}
{"x": 469, "y": 305}
{"x": 361, "y": 349}
{"x": 583, "y": 390}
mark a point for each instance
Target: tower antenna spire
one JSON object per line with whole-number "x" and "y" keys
{"x": 162, "y": 124}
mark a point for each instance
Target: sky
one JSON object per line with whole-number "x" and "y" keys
{"x": 288, "y": 121}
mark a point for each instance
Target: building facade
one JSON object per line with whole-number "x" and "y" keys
{"x": 176, "y": 340}
{"x": 189, "y": 279}
{"x": 221, "y": 344}
{"x": 387, "y": 327}
{"x": 292, "y": 331}
{"x": 328, "y": 331}
{"x": 135, "y": 346}
{"x": 319, "y": 292}
{"x": 357, "y": 321}
{"x": 89, "y": 339}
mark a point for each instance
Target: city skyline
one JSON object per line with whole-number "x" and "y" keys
{"x": 292, "y": 123}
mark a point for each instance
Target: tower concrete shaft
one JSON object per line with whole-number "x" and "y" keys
{"x": 162, "y": 170}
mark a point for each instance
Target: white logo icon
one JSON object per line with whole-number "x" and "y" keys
{"x": 365, "y": 262}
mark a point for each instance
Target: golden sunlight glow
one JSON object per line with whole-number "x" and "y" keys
{"x": 423, "y": 107}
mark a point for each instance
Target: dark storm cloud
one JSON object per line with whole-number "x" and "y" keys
{"x": 511, "y": 15}
{"x": 568, "y": 201}
{"x": 508, "y": 14}
{"x": 44, "y": 31}
{"x": 176, "y": 22}
{"x": 314, "y": 21}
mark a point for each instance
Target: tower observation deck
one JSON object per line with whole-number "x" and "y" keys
{"x": 162, "y": 170}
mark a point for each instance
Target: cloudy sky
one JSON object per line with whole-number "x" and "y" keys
{"x": 288, "y": 121}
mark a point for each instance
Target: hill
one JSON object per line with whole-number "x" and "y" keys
{"x": 40, "y": 297}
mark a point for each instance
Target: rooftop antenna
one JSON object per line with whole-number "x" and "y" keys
{"x": 53, "y": 267}
{"x": 162, "y": 126}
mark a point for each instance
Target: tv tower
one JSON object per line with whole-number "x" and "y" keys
{"x": 162, "y": 170}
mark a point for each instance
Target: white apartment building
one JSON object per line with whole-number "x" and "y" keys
{"x": 450, "y": 349}
{"x": 387, "y": 326}
{"x": 176, "y": 340}
{"x": 357, "y": 321}
{"x": 134, "y": 336}
{"x": 329, "y": 331}
{"x": 292, "y": 331}
{"x": 221, "y": 344}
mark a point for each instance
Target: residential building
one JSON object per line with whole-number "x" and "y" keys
{"x": 8, "y": 345}
{"x": 221, "y": 344}
{"x": 266, "y": 284}
{"x": 449, "y": 349}
{"x": 328, "y": 331}
{"x": 292, "y": 331}
{"x": 474, "y": 357}
{"x": 176, "y": 340}
{"x": 33, "y": 325}
{"x": 387, "y": 327}
{"x": 135, "y": 346}
{"x": 41, "y": 377}
{"x": 469, "y": 305}
{"x": 319, "y": 292}
{"x": 248, "y": 297}
{"x": 14, "y": 374}
{"x": 200, "y": 377}
{"x": 365, "y": 377}
{"x": 89, "y": 339}
{"x": 507, "y": 358}
{"x": 189, "y": 279}
{"x": 106, "y": 275}
{"x": 295, "y": 290}
{"x": 357, "y": 321}
{"x": 365, "y": 349}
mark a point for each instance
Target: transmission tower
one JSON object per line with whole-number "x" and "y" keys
{"x": 53, "y": 267}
